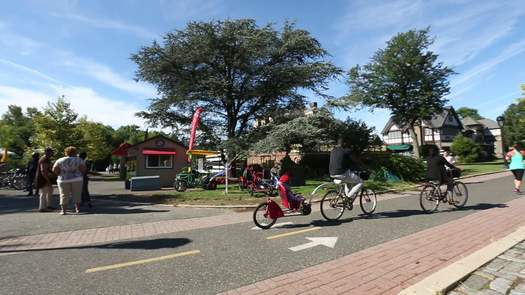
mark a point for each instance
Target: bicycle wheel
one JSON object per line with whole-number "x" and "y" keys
{"x": 429, "y": 199}
{"x": 367, "y": 201}
{"x": 332, "y": 205}
{"x": 19, "y": 183}
{"x": 459, "y": 194}
{"x": 261, "y": 218}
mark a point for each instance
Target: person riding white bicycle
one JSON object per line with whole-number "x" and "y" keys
{"x": 341, "y": 168}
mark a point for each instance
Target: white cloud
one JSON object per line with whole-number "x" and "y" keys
{"x": 105, "y": 74}
{"x": 108, "y": 24}
{"x": 182, "y": 10}
{"x": 467, "y": 77}
{"x": 84, "y": 100}
{"x": 17, "y": 43}
{"x": 463, "y": 29}
{"x": 28, "y": 70}
{"x": 87, "y": 102}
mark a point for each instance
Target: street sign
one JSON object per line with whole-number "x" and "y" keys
{"x": 321, "y": 241}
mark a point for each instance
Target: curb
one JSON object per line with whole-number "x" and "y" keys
{"x": 446, "y": 278}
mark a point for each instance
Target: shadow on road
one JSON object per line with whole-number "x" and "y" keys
{"x": 406, "y": 213}
{"x": 392, "y": 214}
{"x": 154, "y": 244}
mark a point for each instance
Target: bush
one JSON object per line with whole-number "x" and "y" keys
{"x": 466, "y": 149}
{"x": 404, "y": 167}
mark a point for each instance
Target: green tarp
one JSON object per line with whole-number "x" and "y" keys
{"x": 399, "y": 147}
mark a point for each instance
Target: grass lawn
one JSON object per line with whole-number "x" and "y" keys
{"x": 482, "y": 167}
{"x": 238, "y": 197}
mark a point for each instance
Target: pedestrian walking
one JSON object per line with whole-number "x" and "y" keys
{"x": 44, "y": 181}
{"x": 516, "y": 166}
{"x": 86, "y": 197}
{"x": 31, "y": 169}
{"x": 70, "y": 170}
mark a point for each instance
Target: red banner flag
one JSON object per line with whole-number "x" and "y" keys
{"x": 194, "y": 126}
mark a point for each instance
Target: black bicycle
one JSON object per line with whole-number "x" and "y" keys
{"x": 431, "y": 195}
{"x": 334, "y": 202}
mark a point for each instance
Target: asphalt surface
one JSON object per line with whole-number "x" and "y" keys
{"x": 19, "y": 215}
{"x": 230, "y": 256}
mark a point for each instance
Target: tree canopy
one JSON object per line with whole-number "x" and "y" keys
{"x": 17, "y": 128}
{"x": 315, "y": 132}
{"x": 469, "y": 112}
{"x": 514, "y": 128}
{"x": 236, "y": 70}
{"x": 405, "y": 77}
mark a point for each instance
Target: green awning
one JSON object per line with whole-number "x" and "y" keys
{"x": 399, "y": 147}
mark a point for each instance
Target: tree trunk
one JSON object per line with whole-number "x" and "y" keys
{"x": 415, "y": 142}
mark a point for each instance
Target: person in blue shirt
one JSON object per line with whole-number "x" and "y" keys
{"x": 517, "y": 166}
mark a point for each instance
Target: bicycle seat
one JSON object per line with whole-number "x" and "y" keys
{"x": 435, "y": 182}
{"x": 338, "y": 181}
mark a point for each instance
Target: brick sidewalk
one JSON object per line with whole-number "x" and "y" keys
{"x": 392, "y": 266}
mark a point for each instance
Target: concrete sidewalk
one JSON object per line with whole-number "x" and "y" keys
{"x": 393, "y": 266}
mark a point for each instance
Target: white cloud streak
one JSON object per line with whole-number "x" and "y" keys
{"x": 21, "y": 44}
{"x": 28, "y": 70}
{"x": 84, "y": 101}
{"x": 105, "y": 74}
{"x": 464, "y": 82}
{"x": 108, "y": 24}
{"x": 463, "y": 29}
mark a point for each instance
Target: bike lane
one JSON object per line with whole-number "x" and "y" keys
{"x": 234, "y": 255}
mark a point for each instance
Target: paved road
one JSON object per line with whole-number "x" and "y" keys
{"x": 19, "y": 216}
{"x": 230, "y": 256}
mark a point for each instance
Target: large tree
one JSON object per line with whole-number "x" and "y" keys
{"x": 514, "y": 128}
{"x": 236, "y": 70}
{"x": 96, "y": 139}
{"x": 405, "y": 77}
{"x": 56, "y": 127}
{"x": 469, "y": 112}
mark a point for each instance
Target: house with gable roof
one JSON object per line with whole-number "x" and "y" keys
{"x": 439, "y": 130}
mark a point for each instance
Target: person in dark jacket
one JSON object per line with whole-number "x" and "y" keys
{"x": 86, "y": 197}
{"x": 436, "y": 168}
{"x": 341, "y": 166}
{"x": 31, "y": 169}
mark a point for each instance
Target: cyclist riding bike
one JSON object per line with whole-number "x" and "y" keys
{"x": 341, "y": 168}
{"x": 437, "y": 169}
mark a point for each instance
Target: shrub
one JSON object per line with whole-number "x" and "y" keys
{"x": 466, "y": 149}
{"x": 404, "y": 167}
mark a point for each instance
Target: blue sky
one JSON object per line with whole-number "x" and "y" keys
{"x": 81, "y": 49}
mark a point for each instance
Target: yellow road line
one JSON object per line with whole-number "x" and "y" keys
{"x": 292, "y": 233}
{"x": 143, "y": 261}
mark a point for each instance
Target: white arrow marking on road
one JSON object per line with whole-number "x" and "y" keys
{"x": 325, "y": 241}
{"x": 277, "y": 225}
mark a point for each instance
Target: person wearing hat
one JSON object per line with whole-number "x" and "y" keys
{"x": 44, "y": 181}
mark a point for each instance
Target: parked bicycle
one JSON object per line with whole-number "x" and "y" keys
{"x": 14, "y": 179}
{"x": 431, "y": 195}
{"x": 335, "y": 201}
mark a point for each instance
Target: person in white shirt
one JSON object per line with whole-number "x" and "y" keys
{"x": 70, "y": 170}
{"x": 449, "y": 157}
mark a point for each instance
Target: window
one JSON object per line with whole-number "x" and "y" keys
{"x": 159, "y": 161}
